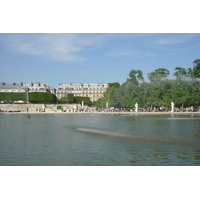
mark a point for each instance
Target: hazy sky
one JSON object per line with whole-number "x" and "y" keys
{"x": 92, "y": 58}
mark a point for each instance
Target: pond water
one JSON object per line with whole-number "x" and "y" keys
{"x": 99, "y": 140}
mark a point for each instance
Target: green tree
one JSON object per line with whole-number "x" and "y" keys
{"x": 179, "y": 93}
{"x": 70, "y": 98}
{"x": 158, "y": 74}
{"x": 131, "y": 94}
{"x": 194, "y": 90}
{"x": 196, "y": 68}
{"x": 86, "y": 100}
{"x": 114, "y": 84}
{"x": 160, "y": 91}
{"x": 136, "y": 76}
{"x": 180, "y": 72}
{"x": 117, "y": 97}
{"x": 109, "y": 95}
{"x": 99, "y": 103}
{"x": 195, "y": 71}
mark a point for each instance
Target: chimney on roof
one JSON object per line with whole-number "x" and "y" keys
{"x": 2, "y": 83}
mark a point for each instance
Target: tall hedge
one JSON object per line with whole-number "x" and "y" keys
{"x": 12, "y": 96}
{"x": 42, "y": 97}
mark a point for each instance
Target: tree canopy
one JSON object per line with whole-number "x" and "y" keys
{"x": 196, "y": 68}
{"x": 183, "y": 90}
{"x": 136, "y": 76}
{"x": 180, "y": 72}
{"x": 158, "y": 74}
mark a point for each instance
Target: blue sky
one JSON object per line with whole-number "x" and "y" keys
{"x": 91, "y": 58}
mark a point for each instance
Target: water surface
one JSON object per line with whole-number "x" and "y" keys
{"x": 99, "y": 140}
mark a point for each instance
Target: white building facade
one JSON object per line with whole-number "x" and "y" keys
{"x": 22, "y": 87}
{"x": 38, "y": 87}
{"x": 92, "y": 90}
{"x": 13, "y": 87}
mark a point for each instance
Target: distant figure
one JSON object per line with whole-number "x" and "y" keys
{"x": 27, "y": 109}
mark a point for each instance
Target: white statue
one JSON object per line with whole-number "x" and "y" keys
{"x": 82, "y": 104}
{"x": 172, "y": 106}
{"x": 136, "y": 107}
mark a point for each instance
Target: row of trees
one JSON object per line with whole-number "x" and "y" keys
{"x": 184, "y": 90}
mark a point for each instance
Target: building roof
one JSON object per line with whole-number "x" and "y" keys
{"x": 12, "y": 86}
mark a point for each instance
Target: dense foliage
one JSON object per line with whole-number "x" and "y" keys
{"x": 42, "y": 97}
{"x": 12, "y": 96}
{"x": 184, "y": 90}
{"x": 108, "y": 95}
{"x": 34, "y": 97}
{"x": 86, "y": 100}
{"x": 70, "y": 98}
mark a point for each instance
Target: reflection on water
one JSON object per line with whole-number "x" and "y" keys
{"x": 89, "y": 139}
{"x": 138, "y": 137}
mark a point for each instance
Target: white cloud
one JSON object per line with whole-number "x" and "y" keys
{"x": 59, "y": 47}
{"x": 165, "y": 39}
{"x": 124, "y": 52}
{"x": 78, "y": 47}
{"x": 169, "y": 40}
